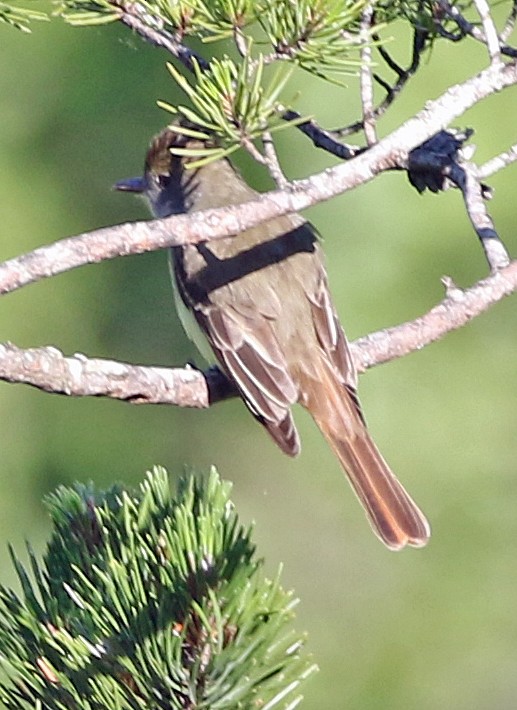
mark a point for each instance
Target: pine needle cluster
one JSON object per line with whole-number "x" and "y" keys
{"x": 148, "y": 600}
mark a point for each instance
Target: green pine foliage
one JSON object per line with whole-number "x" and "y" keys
{"x": 240, "y": 88}
{"x": 19, "y": 17}
{"x": 148, "y": 600}
{"x": 230, "y": 102}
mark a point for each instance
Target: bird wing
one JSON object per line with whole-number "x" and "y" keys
{"x": 246, "y": 347}
{"x": 242, "y": 313}
{"x": 330, "y": 335}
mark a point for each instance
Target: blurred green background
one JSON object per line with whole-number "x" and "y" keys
{"x": 430, "y": 629}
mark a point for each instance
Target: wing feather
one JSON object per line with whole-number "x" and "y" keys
{"x": 249, "y": 352}
{"x": 330, "y": 334}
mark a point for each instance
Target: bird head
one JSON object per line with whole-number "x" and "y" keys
{"x": 165, "y": 182}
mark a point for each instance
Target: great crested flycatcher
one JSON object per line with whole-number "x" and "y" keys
{"x": 261, "y": 298}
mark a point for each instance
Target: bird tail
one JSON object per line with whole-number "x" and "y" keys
{"x": 394, "y": 516}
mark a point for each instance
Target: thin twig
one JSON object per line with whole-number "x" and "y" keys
{"x": 272, "y": 162}
{"x": 492, "y": 40}
{"x": 467, "y": 28}
{"x": 366, "y": 81}
{"x": 403, "y": 76}
{"x": 387, "y": 58}
{"x": 509, "y": 24}
{"x": 322, "y": 138}
{"x": 252, "y": 149}
{"x": 466, "y": 178}
{"x": 451, "y": 36}
{"x": 131, "y": 15}
{"x": 498, "y": 163}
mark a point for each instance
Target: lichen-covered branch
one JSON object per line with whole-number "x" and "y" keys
{"x": 48, "y": 369}
{"x": 135, "y": 238}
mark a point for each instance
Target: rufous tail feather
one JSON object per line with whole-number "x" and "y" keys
{"x": 394, "y": 516}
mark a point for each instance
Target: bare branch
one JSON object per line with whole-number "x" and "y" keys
{"x": 322, "y": 138}
{"x": 467, "y": 28}
{"x": 492, "y": 40}
{"x": 420, "y": 37}
{"x": 272, "y": 162}
{"x": 366, "y": 77}
{"x": 498, "y": 163}
{"x": 391, "y": 152}
{"x": 150, "y": 28}
{"x": 509, "y": 24}
{"x": 465, "y": 177}
{"x": 48, "y": 369}
{"x": 78, "y": 376}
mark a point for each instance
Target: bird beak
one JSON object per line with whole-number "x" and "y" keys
{"x": 135, "y": 184}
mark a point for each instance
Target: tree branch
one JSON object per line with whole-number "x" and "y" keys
{"x": 322, "y": 138}
{"x": 498, "y": 163}
{"x": 135, "y": 238}
{"x": 509, "y": 24}
{"x": 48, "y": 369}
{"x": 467, "y": 28}
{"x": 491, "y": 38}
{"x": 420, "y": 37}
{"x": 466, "y": 178}
{"x": 151, "y": 29}
{"x": 366, "y": 79}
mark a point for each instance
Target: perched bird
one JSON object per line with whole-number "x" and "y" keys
{"x": 262, "y": 301}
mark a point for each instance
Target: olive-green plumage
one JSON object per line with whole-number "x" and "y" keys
{"x": 261, "y": 299}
